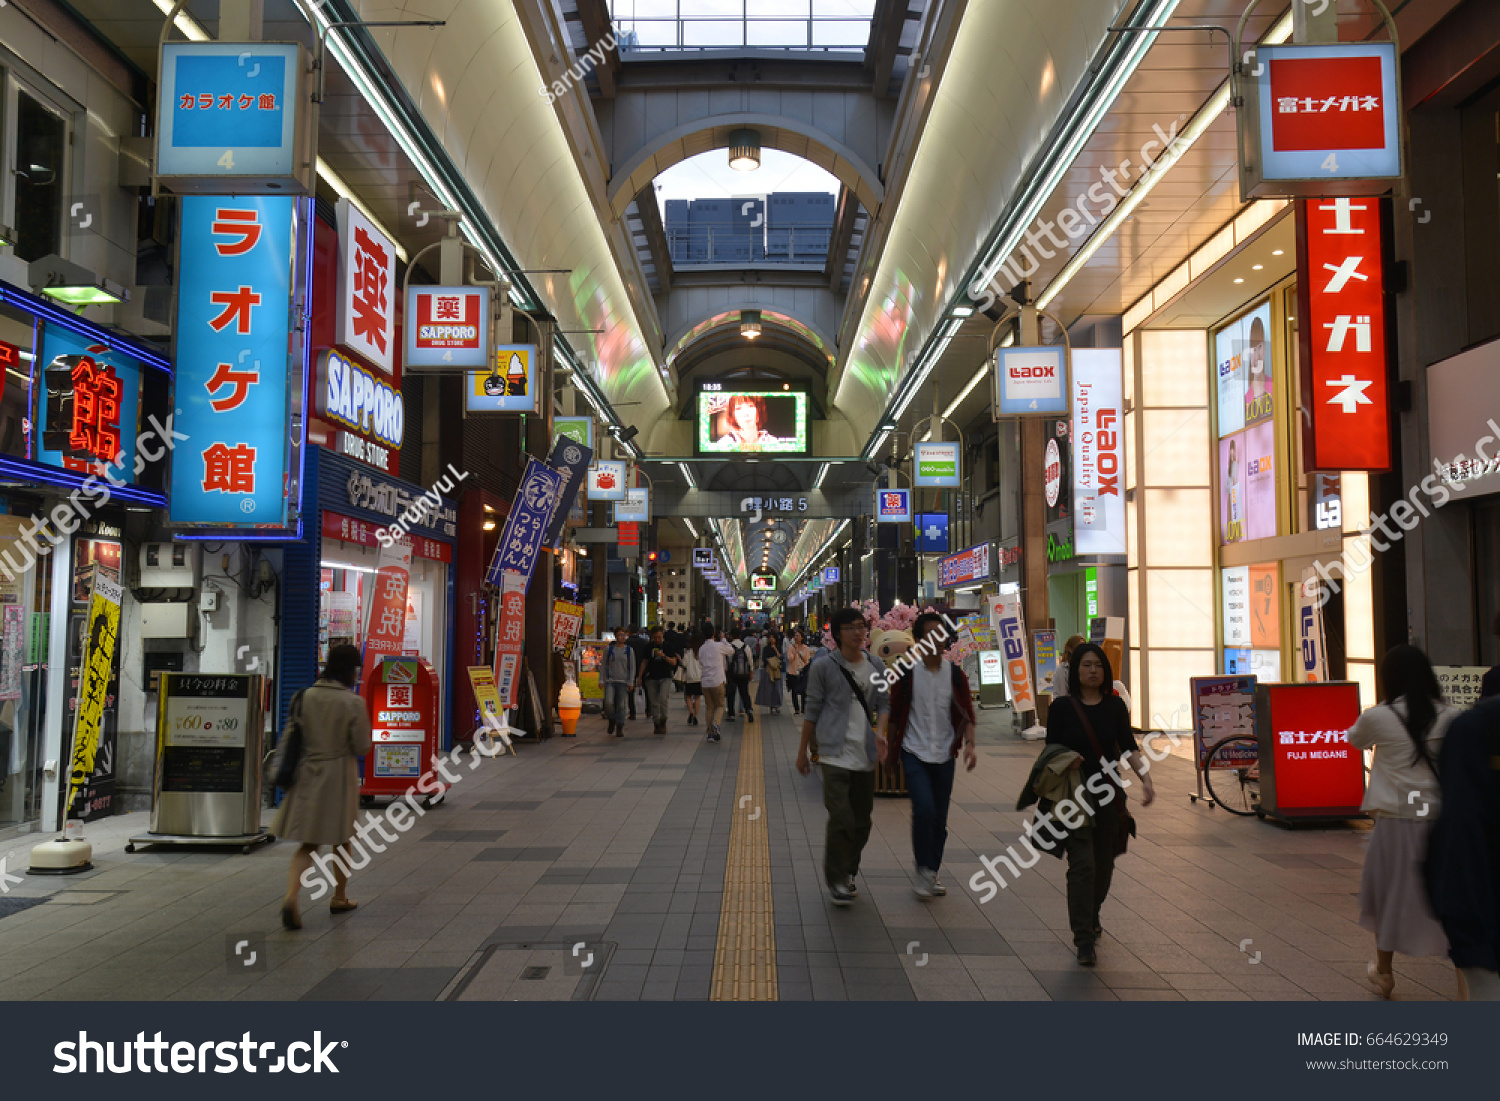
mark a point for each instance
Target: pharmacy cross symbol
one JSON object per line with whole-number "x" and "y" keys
{"x": 1352, "y": 396}
{"x": 932, "y": 531}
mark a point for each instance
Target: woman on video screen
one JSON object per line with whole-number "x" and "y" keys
{"x": 743, "y": 422}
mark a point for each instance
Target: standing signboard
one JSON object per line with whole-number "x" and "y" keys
{"x": 403, "y": 699}
{"x": 103, "y": 632}
{"x": 1308, "y": 769}
{"x": 1044, "y": 647}
{"x": 207, "y": 756}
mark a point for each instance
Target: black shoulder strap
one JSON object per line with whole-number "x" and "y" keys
{"x": 860, "y": 696}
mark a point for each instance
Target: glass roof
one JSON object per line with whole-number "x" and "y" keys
{"x": 663, "y": 25}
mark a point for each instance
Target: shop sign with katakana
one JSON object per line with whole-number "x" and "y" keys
{"x": 367, "y": 289}
{"x": 525, "y": 529}
{"x": 233, "y": 116}
{"x": 446, "y": 327}
{"x": 233, "y": 333}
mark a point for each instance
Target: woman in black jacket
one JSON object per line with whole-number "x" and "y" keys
{"x": 1094, "y": 723}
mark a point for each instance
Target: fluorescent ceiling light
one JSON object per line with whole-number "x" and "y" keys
{"x": 184, "y": 22}
{"x": 687, "y": 472}
{"x": 822, "y": 473}
{"x": 336, "y": 182}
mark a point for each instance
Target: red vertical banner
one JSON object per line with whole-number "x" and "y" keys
{"x": 1341, "y": 303}
{"x": 511, "y": 630}
{"x": 385, "y": 625}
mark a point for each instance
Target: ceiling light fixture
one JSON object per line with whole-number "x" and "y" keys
{"x": 73, "y": 284}
{"x": 744, "y": 150}
{"x": 750, "y": 324}
{"x": 1278, "y": 252}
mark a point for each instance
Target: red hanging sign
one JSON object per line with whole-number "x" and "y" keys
{"x": 1341, "y": 301}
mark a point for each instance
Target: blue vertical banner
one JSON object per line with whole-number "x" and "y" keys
{"x": 233, "y": 336}
{"x": 530, "y": 514}
{"x": 571, "y": 459}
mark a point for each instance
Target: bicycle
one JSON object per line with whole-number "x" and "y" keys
{"x": 1232, "y": 775}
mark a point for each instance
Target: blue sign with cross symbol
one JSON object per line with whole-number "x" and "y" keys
{"x": 932, "y": 533}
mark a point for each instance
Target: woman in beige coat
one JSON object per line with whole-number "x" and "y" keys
{"x": 321, "y": 807}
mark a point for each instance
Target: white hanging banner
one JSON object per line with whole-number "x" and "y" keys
{"x": 1098, "y": 452}
{"x": 1313, "y": 664}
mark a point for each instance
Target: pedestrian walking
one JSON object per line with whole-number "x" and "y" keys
{"x": 1095, "y": 724}
{"x": 932, "y": 720}
{"x": 798, "y": 656}
{"x": 640, "y": 645}
{"x": 656, "y": 676}
{"x": 768, "y": 691}
{"x": 692, "y": 670}
{"x": 713, "y": 656}
{"x": 1406, "y": 731}
{"x": 739, "y": 668}
{"x": 846, "y": 714}
{"x": 619, "y": 680}
{"x": 323, "y": 802}
{"x": 1463, "y": 855}
{"x": 1063, "y": 672}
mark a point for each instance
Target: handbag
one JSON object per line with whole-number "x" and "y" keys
{"x": 288, "y": 752}
{"x": 1124, "y": 820}
{"x": 680, "y": 673}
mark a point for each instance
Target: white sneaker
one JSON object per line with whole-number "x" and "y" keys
{"x": 923, "y": 886}
{"x": 937, "y": 885}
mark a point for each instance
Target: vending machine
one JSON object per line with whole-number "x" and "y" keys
{"x": 402, "y": 698}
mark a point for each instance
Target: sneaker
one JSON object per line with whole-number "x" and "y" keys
{"x": 937, "y": 886}
{"x": 852, "y": 887}
{"x": 840, "y": 896}
{"x": 922, "y": 888}
{"x": 1087, "y": 956}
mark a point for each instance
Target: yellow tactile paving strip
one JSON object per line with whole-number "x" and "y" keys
{"x": 745, "y": 957}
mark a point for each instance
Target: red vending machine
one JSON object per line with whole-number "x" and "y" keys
{"x": 401, "y": 696}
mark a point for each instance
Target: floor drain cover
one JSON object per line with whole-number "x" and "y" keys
{"x": 533, "y": 974}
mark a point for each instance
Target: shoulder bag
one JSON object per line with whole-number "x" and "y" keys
{"x": 1124, "y": 820}
{"x": 288, "y": 752}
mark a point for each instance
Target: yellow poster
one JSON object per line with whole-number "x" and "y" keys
{"x": 590, "y": 657}
{"x": 93, "y": 683}
{"x": 486, "y": 695}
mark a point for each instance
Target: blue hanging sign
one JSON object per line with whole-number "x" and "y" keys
{"x": 530, "y": 513}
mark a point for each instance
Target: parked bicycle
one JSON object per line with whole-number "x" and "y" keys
{"x": 1232, "y": 775}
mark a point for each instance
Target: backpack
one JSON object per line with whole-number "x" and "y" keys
{"x": 287, "y": 755}
{"x": 739, "y": 664}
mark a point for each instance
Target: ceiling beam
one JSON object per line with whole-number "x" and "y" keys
{"x": 843, "y": 233}
{"x": 594, "y": 15}
{"x": 656, "y": 235}
{"x": 885, "y": 40}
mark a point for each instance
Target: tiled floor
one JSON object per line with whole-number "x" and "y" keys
{"x": 595, "y": 868}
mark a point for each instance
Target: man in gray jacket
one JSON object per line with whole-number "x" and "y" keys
{"x": 845, "y": 715}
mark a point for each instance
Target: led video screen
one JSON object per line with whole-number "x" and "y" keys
{"x": 770, "y": 421}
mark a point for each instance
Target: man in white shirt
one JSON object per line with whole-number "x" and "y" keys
{"x": 712, "y": 655}
{"x": 932, "y": 718}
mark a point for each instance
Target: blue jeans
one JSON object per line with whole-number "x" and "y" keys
{"x": 931, "y": 788}
{"x": 615, "y": 695}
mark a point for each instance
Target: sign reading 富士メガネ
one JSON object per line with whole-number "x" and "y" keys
{"x": 103, "y": 631}
{"x": 233, "y": 117}
{"x": 366, "y": 289}
{"x": 893, "y": 506}
{"x": 1031, "y": 381}
{"x": 446, "y": 327}
{"x": 1319, "y": 120}
{"x": 1098, "y": 452}
{"x": 938, "y": 466}
{"x": 1312, "y": 770}
{"x": 531, "y": 511}
{"x": 508, "y": 386}
{"x": 234, "y": 280}
{"x": 1341, "y": 306}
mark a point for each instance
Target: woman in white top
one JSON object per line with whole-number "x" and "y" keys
{"x": 1406, "y": 732}
{"x": 692, "y": 680}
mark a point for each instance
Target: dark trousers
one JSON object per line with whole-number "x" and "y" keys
{"x": 737, "y": 687}
{"x": 1091, "y": 865}
{"x": 797, "y": 683}
{"x": 849, "y": 798}
{"x": 931, "y": 789}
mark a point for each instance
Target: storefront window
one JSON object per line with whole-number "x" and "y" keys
{"x": 40, "y": 174}
{"x": 347, "y": 593}
{"x": 25, "y": 599}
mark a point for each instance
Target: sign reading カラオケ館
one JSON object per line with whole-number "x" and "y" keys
{"x": 234, "y": 283}
{"x": 1341, "y": 301}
